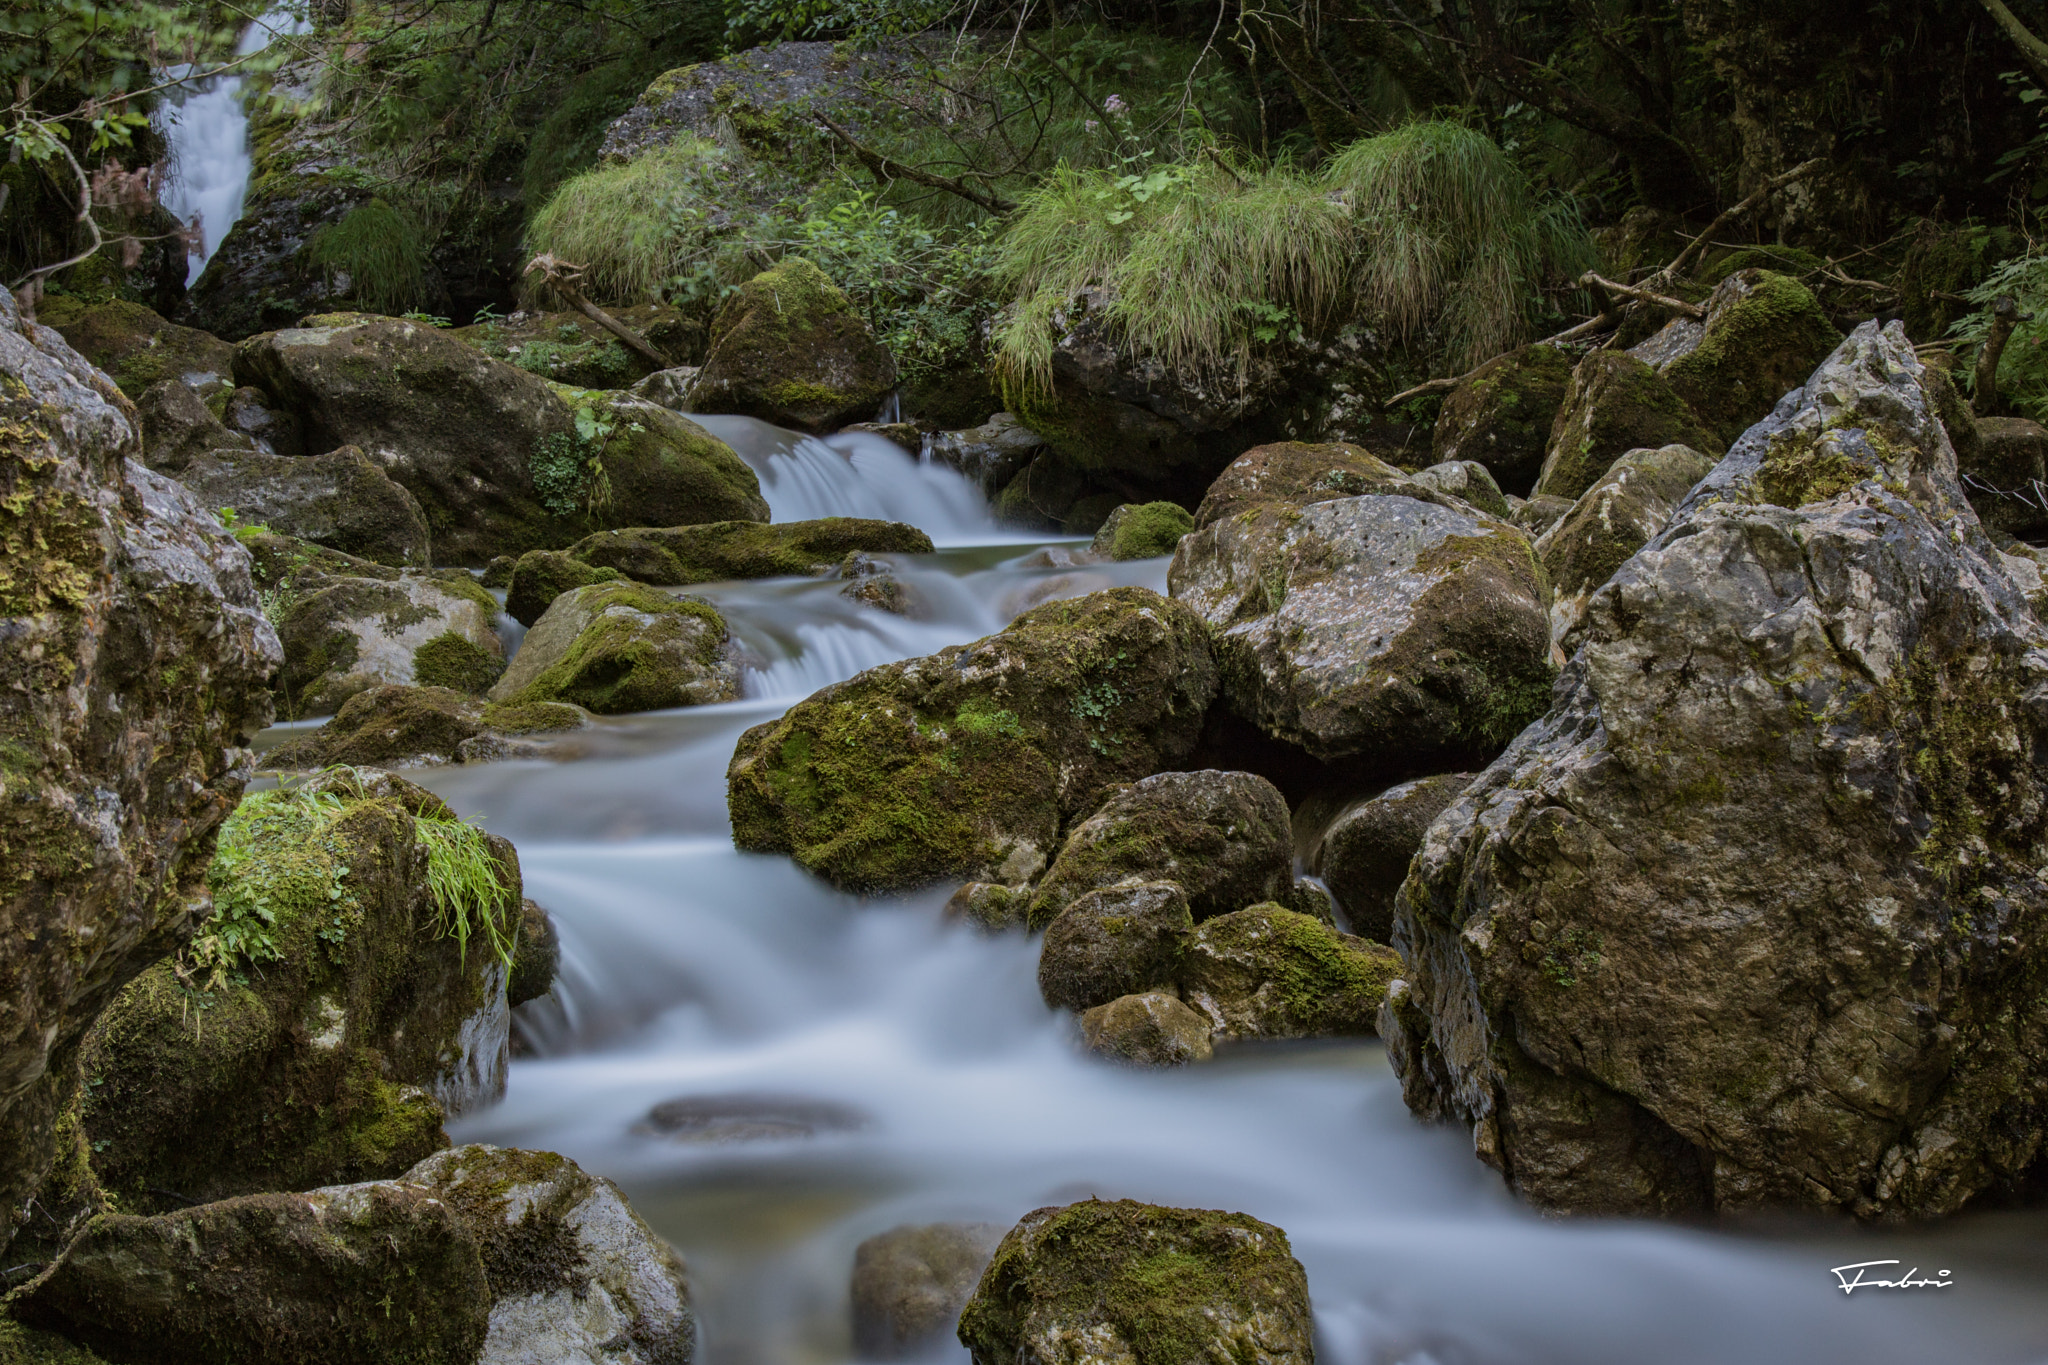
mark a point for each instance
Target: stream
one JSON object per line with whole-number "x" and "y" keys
{"x": 878, "y": 1066}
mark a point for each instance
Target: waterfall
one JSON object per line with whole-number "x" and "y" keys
{"x": 208, "y": 130}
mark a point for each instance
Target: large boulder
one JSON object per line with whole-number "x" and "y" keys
{"x": 177, "y": 427}
{"x": 133, "y": 671}
{"x": 1611, "y": 521}
{"x": 1762, "y": 336}
{"x": 407, "y": 727}
{"x": 479, "y": 1254}
{"x": 1373, "y": 630}
{"x": 1616, "y": 403}
{"x": 1364, "y": 855}
{"x": 910, "y": 1283}
{"x": 619, "y": 647}
{"x": 1751, "y": 917}
{"x": 674, "y": 556}
{"x": 1501, "y": 415}
{"x": 1223, "y": 837}
{"x": 1297, "y": 474}
{"x": 1135, "y": 1282}
{"x": 1268, "y": 972}
{"x": 789, "y": 347}
{"x": 499, "y": 460}
{"x": 137, "y": 348}
{"x": 342, "y": 500}
{"x": 347, "y": 995}
{"x": 971, "y": 762}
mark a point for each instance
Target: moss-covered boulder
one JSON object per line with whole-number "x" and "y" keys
{"x": 1135, "y": 1282}
{"x": 1153, "y": 1028}
{"x": 1373, "y": 630}
{"x": 988, "y": 906}
{"x": 540, "y": 576}
{"x": 177, "y": 426}
{"x": 346, "y": 995}
{"x": 675, "y": 556}
{"x": 790, "y": 348}
{"x": 1753, "y": 916}
{"x": 970, "y": 763}
{"x": 1502, "y": 413}
{"x": 1267, "y": 972}
{"x": 134, "y": 670}
{"x": 1540, "y": 513}
{"x": 409, "y": 727}
{"x": 537, "y": 958}
{"x": 1147, "y": 530}
{"x": 1468, "y": 482}
{"x": 1222, "y": 836}
{"x": 1118, "y": 941}
{"x": 341, "y": 500}
{"x": 1365, "y": 853}
{"x": 1616, "y": 403}
{"x": 1762, "y": 336}
{"x": 571, "y": 349}
{"x": 138, "y": 348}
{"x": 910, "y": 1283}
{"x": 1297, "y": 474}
{"x": 1611, "y": 521}
{"x": 476, "y": 1254}
{"x": 500, "y": 460}
{"x": 618, "y": 647}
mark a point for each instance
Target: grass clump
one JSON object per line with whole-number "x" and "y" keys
{"x": 381, "y": 251}
{"x": 620, "y": 222}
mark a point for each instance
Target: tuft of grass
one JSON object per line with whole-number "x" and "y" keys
{"x": 382, "y": 252}
{"x": 469, "y": 893}
{"x": 619, "y": 221}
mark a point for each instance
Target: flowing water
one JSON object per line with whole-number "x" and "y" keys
{"x": 897, "y": 1069}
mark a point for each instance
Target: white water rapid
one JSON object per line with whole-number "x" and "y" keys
{"x": 208, "y": 129}
{"x": 691, "y": 970}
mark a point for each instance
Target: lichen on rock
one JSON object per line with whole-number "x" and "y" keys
{"x": 1616, "y": 403}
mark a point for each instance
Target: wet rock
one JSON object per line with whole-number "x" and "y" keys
{"x": 1119, "y": 941}
{"x": 538, "y": 957}
{"x": 1152, "y": 1029}
{"x": 907, "y": 437}
{"x": 1616, "y": 517}
{"x": 1373, "y": 629}
{"x": 991, "y": 454}
{"x": 1758, "y": 893}
{"x": 407, "y": 727}
{"x": 873, "y": 583}
{"x": 133, "y": 669}
{"x": 1311, "y": 899}
{"x": 1142, "y": 530}
{"x": 969, "y": 762}
{"x": 571, "y": 349}
{"x": 498, "y": 573}
{"x": 789, "y": 348}
{"x": 1222, "y": 837}
{"x": 1469, "y": 483}
{"x": 1043, "y": 493}
{"x": 1294, "y": 474}
{"x": 747, "y": 1118}
{"x": 327, "y": 1017}
{"x": 1540, "y": 513}
{"x": 1616, "y": 403}
{"x": 328, "y": 1277}
{"x": 618, "y": 647}
{"x": 176, "y": 427}
{"x": 1126, "y": 1281}
{"x": 248, "y": 413}
{"x": 668, "y": 388}
{"x": 341, "y": 500}
{"x": 497, "y": 458}
{"x": 1266, "y": 972}
{"x": 910, "y": 1283}
{"x": 1501, "y": 415}
{"x": 1763, "y": 335}
{"x": 989, "y": 906}
{"x": 2006, "y": 477}
{"x": 136, "y": 347}
{"x": 675, "y": 556}
{"x": 540, "y": 576}
{"x": 1365, "y": 854}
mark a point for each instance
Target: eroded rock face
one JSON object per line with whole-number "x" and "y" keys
{"x": 970, "y": 762}
{"x": 1372, "y": 629}
{"x": 618, "y": 647}
{"x": 1616, "y": 403}
{"x": 341, "y": 500}
{"x": 1223, "y": 837}
{"x": 1126, "y": 1281}
{"x": 1501, "y": 416}
{"x": 1762, "y": 892}
{"x": 1613, "y": 519}
{"x": 120, "y": 596}
{"x": 1364, "y": 856}
{"x": 910, "y": 1283}
{"x": 788, "y": 347}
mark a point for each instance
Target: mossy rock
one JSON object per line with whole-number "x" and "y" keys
{"x": 136, "y": 347}
{"x": 1366, "y": 851}
{"x": 1222, "y": 836}
{"x": 680, "y": 555}
{"x": 1141, "y": 1283}
{"x": 1469, "y": 482}
{"x": 1098, "y": 435}
{"x": 1147, "y": 530}
{"x": 2008, "y": 465}
{"x": 386, "y": 727}
{"x": 618, "y": 647}
{"x": 342, "y": 500}
{"x": 540, "y": 576}
{"x": 1501, "y": 415}
{"x": 1763, "y": 335}
{"x": 1616, "y": 403}
{"x": 969, "y": 763}
{"x": 1267, "y": 972}
{"x": 344, "y": 633}
{"x": 789, "y": 347}
{"x": 571, "y": 349}
{"x": 177, "y": 426}
{"x": 1299, "y": 474}
{"x": 1121, "y": 940}
{"x": 1041, "y": 493}
{"x": 1613, "y": 519}
{"x": 1151, "y": 1028}
{"x": 344, "y": 1022}
{"x": 538, "y": 958}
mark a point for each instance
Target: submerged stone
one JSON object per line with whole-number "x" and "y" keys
{"x": 910, "y": 1283}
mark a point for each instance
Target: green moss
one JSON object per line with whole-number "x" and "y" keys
{"x": 624, "y": 661}
{"x": 1616, "y": 404}
{"x": 1569, "y": 954}
{"x": 20, "y": 1345}
{"x": 1321, "y": 982}
{"x": 1752, "y": 354}
{"x": 1150, "y": 530}
{"x": 540, "y": 576}
{"x": 453, "y": 661}
{"x": 720, "y": 550}
{"x": 532, "y": 718}
{"x": 1800, "y": 469}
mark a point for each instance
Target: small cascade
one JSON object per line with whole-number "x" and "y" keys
{"x": 208, "y": 129}
{"x": 892, "y": 408}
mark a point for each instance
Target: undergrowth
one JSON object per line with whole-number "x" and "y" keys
{"x": 382, "y": 252}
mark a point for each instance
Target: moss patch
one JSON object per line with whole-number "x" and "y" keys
{"x": 455, "y": 662}
{"x": 719, "y": 550}
{"x": 1752, "y": 354}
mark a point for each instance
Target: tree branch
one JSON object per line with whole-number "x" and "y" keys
{"x": 2031, "y": 48}
{"x": 885, "y": 170}
{"x": 1756, "y": 199}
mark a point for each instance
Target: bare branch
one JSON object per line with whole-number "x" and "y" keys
{"x": 885, "y": 170}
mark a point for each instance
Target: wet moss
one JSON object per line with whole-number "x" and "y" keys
{"x": 719, "y": 550}
{"x": 540, "y": 576}
{"x": 532, "y": 718}
{"x": 1148, "y": 530}
{"x": 457, "y": 663}
{"x": 1274, "y": 973}
{"x": 642, "y": 650}
{"x": 1753, "y": 353}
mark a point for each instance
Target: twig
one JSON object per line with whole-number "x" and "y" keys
{"x": 1224, "y": 166}
{"x": 884, "y": 170}
{"x": 1641, "y": 295}
{"x": 565, "y": 279}
{"x": 1763, "y": 192}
